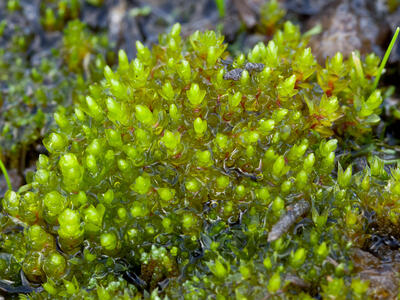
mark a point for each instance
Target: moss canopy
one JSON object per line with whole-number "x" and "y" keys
{"x": 170, "y": 175}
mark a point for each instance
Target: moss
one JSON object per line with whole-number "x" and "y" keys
{"x": 32, "y": 89}
{"x": 171, "y": 173}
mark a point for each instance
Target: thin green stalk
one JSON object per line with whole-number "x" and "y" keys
{"x": 221, "y": 7}
{"x": 385, "y": 58}
{"x": 313, "y": 31}
{"x": 3, "y": 169}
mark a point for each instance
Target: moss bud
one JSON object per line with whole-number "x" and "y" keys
{"x": 274, "y": 283}
{"x": 54, "y": 265}
{"x": 195, "y": 95}
{"x": 11, "y": 203}
{"x": 109, "y": 241}
{"x": 142, "y": 185}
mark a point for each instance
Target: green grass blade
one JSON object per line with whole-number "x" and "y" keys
{"x": 385, "y": 59}
{"x": 221, "y": 7}
{"x": 3, "y": 169}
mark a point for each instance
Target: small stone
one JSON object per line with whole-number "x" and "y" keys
{"x": 258, "y": 67}
{"x": 234, "y": 74}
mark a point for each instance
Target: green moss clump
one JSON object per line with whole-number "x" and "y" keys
{"x": 56, "y": 14}
{"x": 169, "y": 176}
{"x": 33, "y": 89}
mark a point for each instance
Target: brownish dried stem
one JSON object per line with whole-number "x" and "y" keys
{"x": 288, "y": 219}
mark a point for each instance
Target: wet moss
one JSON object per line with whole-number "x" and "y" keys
{"x": 35, "y": 82}
{"x": 170, "y": 178}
